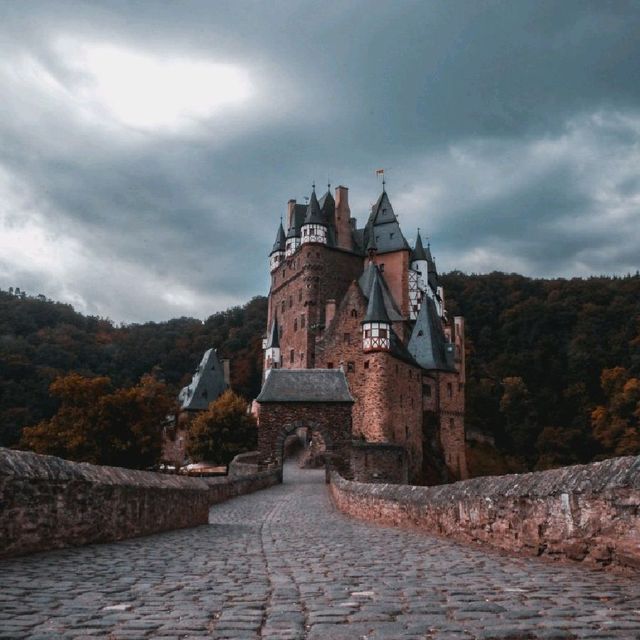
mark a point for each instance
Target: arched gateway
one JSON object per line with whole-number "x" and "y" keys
{"x": 318, "y": 399}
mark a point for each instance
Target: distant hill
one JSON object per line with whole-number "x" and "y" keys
{"x": 536, "y": 352}
{"x": 40, "y": 339}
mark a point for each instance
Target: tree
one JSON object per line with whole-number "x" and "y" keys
{"x": 616, "y": 424}
{"x": 518, "y": 410}
{"x": 95, "y": 424}
{"x": 222, "y": 431}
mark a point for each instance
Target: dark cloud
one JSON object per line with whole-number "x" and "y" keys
{"x": 510, "y": 132}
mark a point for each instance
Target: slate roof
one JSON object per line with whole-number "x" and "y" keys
{"x": 279, "y": 244}
{"x": 314, "y": 214}
{"x": 428, "y": 345}
{"x": 299, "y": 213}
{"x": 206, "y": 385}
{"x": 305, "y": 385}
{"x": 365, "y": 282}
{"x": 273, "y": 339}
{"x": 376, "y": 310}
{"x": 419, "y": 252}
{"x": 383, "y": 225}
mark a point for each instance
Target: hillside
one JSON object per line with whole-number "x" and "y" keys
{"x": 537, "y": 350}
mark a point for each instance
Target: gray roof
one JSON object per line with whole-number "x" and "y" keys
{"x": 305, "y": 385}
{"x": 299, "y": 213}
{"x": 273, "y": 339}
{"x": 279, "y": 244}
{"x": 314, "y": 214}
{"x": 428, "y": 344}
{"x": 376, "y": 310}
{"x": 328, "y": 206}
{"x": 365, "y": 282}
{"x": 419, "y": 252}
{"x": 206, "y": 385}
{"x": 384, "y": 227}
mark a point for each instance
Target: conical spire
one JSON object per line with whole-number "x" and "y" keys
{"x": 273, "y": 340}
{"x": 279, "y": 244}
{"x": 314, "y": 214}
{"x": 419, "y": 252}
{"x": 428, "y": 343}
{"x": 376, "y": 310}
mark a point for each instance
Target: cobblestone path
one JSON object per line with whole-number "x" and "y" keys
{"x": 283, "y": 564}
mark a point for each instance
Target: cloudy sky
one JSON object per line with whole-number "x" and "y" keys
{"x": 147, "y": 149}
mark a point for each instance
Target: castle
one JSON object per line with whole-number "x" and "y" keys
{"x": 364, "y": 302}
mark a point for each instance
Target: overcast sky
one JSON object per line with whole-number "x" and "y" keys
{"x": 147, "y": 149}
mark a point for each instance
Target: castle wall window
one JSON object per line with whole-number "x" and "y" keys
{"x": 295, "y": 324}
{"x": 299, "y": 296}
{"x": 292, "y": 356}
{"x": 426, "y": 390}
{"x": 283, "y": 306}
{"x": 280, "y": 330}
{"x": 449, "y": 390}
{"x": 329, "y": 365}
{"x": 354, "y": 313}
{"x": 347, "y": 338}
{"x": 381, "y": 266}
{"x": 303, "y": 321}
{"x": 301, "y": 357}
{"x": 290, "y": 302}
{"x": 351, "y": 367}
{"x": 366, "y": 364}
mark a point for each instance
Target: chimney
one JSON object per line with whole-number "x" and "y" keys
{"x": 291, "y": 206}
{"x": 226, "y": 368}
{"x": 330, "y": 312}
{"x": 343, "y": 219}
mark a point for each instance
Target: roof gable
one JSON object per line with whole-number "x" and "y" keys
{"x": 305, "y": 385}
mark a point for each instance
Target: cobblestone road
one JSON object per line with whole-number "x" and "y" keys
{"x": 283, "y": 564}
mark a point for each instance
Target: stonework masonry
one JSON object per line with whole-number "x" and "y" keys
{"x": 588, "y": 513}
{"x": 49, "y": 503}
{"x": 279, "y": 420}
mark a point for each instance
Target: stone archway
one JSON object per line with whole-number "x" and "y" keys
{"x": 291, "y": 427}
{"x": 317, "y": 398}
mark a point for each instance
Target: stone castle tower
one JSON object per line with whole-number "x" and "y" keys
{"x": 364, "y": 301}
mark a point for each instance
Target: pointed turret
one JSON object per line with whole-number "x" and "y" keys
{"x": 315, "y": 225}
{"x": 383, "y": 225}
{"x": 272, "y": 347}
{"x": 376, "y": 326}
{"x": 428, "y": 344}
{"x": 418, "y": 253}
{"x": 277, "y": 253}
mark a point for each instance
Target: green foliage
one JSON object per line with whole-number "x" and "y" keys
{"x": 98, "y": 425}
{"x": 556, "y": 337}
{"x": 41, "y": 340}
{"x": 222, "y": 431}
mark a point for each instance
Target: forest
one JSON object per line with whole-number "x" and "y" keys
{"x": 553, "y": 365}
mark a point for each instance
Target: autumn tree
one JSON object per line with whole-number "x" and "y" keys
{"x": 616, "y": 424}
{"x": 98, "y": 425}
{"x": 222, "y": 431}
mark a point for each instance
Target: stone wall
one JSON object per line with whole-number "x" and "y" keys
{"x": 379, "y": 462}
{"x": 48, "y": 503}
{"x": 588, "y": 513}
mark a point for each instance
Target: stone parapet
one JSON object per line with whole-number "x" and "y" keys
{"x": 588, "y": 513}
{"x": 49, "y": 503}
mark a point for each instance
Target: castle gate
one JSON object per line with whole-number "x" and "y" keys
{"x": 318, "y": 399}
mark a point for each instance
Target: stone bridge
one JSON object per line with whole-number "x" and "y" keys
{"x": 283, "y": 563}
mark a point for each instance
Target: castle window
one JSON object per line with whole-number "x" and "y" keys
{"x": 452, "y": 423}
{"x": 382, "y": 333}
{"x": 301, "y": 357}
{"x": 284, "y": 271}
{"x": 280, "y": 330}
{"x": 283, "y": 306}
{"x": 300, "y": 296}
{"x": 449, "y": 390}
{"x": 292, "y": 356}
{"x": 347, "y": 338}
{"x": 329, "y": 365}
{"x": 421, "y": 332}
{"x": 391, "y": 236}
{"x": 354, "y": 313}
{"x": 303, "y": 321}
{"x": 366, "y": 364}
{"x": 460, "y": 386}
{"x": 351, "y": 367}
{"x": 410, "y": 374}
{"x": 295, "y": 324}
{"x": 290, "y": 302}
{"x": 381, "y": 268}
{"x": 426, "y": 390}
{"x": 396, "y": 368}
